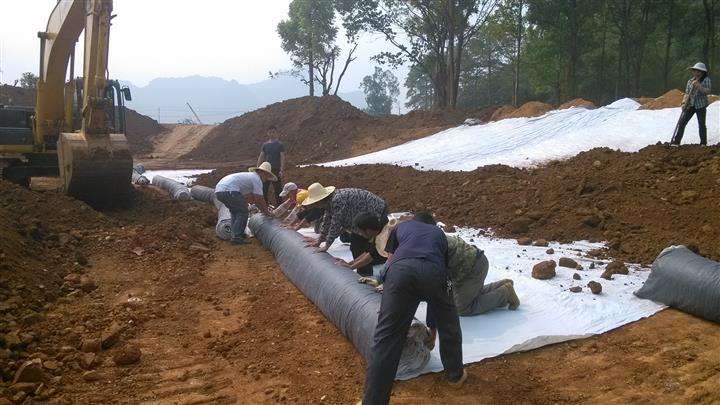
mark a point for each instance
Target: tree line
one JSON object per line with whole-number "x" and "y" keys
{"x": 474, "y": 53}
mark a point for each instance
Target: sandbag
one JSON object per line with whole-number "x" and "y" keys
{"x": 177, "y": 190}
{"x": 202, "y": 193}
{"x": 349, "y": 305}
{"x": 684, "y": 280}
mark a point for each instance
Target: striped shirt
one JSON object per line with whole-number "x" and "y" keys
{"x": 698, "y": 98}
{"x": 345, "y": 205}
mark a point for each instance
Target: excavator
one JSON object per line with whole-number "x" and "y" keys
{"x": 77, "y": 127}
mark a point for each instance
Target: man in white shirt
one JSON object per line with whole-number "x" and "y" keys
{"x": 237, "y": 190}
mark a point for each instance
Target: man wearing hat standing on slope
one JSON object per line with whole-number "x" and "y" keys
{"x": 341, "y": 207}
{"x": 237, "y": 190}
{"x": 694, "y": 102}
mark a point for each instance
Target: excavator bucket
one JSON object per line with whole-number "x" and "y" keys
{"x": 96, "y": 169}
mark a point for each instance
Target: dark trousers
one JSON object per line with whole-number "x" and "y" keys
{"x": 277, "y": 189}
{"x": 685, "y": 118}
{"x": 235, "y": 202}
{"x": 408, "y": 282}
{"x": 360, "y": 245}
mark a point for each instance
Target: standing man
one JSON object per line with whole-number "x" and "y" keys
{"x": 237, "y": 190}
{"x": 416, "y": 272}
{"x": 341, "y": 206}
{"x": 273, "y": 152}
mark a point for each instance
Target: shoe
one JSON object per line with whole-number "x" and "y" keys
{"x": 460, "y": 381}
{"x": 239, "y": 242}
{"x": 513, "y": 300}
{"x": 674, "y": 145}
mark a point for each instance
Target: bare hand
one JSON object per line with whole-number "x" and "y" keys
{"x": 379, "y": 288}
{"x": 343, "y": 263}
{"x": 369, "y": 280}
{"x": 322, "y": 249}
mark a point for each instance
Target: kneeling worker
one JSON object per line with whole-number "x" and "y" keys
{"x": 362, "y": 244}
{"x": 237, "y": 190}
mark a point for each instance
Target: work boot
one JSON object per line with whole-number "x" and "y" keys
{"x": 460, "y": 381}
{"x": 513, "y": 300}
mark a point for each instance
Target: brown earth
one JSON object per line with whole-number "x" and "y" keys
{"x": 502, "y": 113}
{"x": 141, "y": 131}
{"x": 321, "y": 128}
{"x": 639, "y": 202}
{"x": 529, "y": 109}
{"x": 578, "y": 102}
{"x": 671, "y": 99}
{"x": 14, "y": 95}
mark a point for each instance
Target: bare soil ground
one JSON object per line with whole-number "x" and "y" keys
{"x": 173, "y": 141}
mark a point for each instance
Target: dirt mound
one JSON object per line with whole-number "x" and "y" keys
{"x": 502, "y": 112}
{"x": 578, "y": 102}
{"x": 141, "y": 131}
{"x": 592, "y": 196}
{"x": 671, "y": 99}
{"x": 317, "y": 129}
{"x": 531, "y": 109}
{"x": 13, "y": 95}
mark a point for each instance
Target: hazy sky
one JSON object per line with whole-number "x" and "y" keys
{"x": 232, "y": 39}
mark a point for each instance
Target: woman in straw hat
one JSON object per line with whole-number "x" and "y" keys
{"x": 694, "y": 102}
{"x": 236, "y": 191}
{"x": 341, "y": 206}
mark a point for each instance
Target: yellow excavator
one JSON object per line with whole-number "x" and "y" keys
{"x": 93, "y": 162}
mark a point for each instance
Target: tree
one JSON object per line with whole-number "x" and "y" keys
{"x": 431, "y": 34}
{"x": 28, "y": 80}
{"x": 419, "y": 89}
{"x": 381, "y": 92}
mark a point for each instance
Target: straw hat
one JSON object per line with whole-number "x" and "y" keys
{"x": 301, "y": 196}
{"x": 287, "y": 189}
{"x": 265, "y": 167}
{"x": 317, "y": 192}
{"x": 699, "y": 66}
{"x": 382, "y": 238}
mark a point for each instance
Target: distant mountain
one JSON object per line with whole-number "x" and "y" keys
{"x": 215, "y": 99}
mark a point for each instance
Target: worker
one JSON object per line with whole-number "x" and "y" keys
{"x": 364, "y": 252}
{"x": 289, "y": 194}
{"x": 237, "y": 190}
{"x": 416, "y": 271}
{"x": 292, "y": 217}
{"x": 308, "y": 216}
{"x": 341, "y": 206}
{"x": 695, "y": 102}
{"x": 273, "y": 151}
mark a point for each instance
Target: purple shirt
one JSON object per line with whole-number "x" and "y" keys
{"x": 418, "y": 240}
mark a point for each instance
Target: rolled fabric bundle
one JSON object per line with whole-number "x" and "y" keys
{"x": 352, "y": 307}
{"x": 139, "y": 179}
{"x": 202, "y": 193}
{"x": 177, "y": 190}
{"x": 222, "y": 228}
{"x": 139, "y": 168}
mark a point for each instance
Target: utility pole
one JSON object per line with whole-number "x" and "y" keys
{"x": 193, "y": 111}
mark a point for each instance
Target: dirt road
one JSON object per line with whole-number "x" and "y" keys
{"x": 174, "y": 141}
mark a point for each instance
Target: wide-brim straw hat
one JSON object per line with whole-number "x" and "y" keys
{"x": 382, "y": 238}
{"x": 316, "y": 192}
{"x": 264, "y": 167}
{"x": 699, "y": 66}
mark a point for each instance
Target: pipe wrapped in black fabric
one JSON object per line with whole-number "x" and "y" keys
{"x": 350, "y": 306}
{"x": 202, "y": 193}
{"x": 686, "y": 281}
{"x": 177, "y": 190}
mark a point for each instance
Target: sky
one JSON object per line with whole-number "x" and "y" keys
{"x": 231, "y": 39}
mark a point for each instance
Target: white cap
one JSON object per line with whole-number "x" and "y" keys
{"x": 700, "y": 66}
{"x": 288, "y": 188}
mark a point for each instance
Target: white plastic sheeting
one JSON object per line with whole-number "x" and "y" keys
{"x": 548, "y": 312}
{"x": 559, "y": 134}
{"x": 186, "y": 177}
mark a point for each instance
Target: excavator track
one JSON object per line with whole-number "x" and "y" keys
{"x": 96, "y": 169}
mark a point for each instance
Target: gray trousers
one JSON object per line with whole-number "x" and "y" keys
{"x": 473, "y": 297}
{"x": 235, "y": 202}
{"x": 408, "y": 282}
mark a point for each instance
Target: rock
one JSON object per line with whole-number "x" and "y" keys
{"x": 12, "y": 339}
{"x": 111, "y": 335}
{"x": 92, "y": 345}
{"x": 30, "y": 372}
{"x": 597, "y": 164}
{"x": 595, "y": 287}
{"x": 591, "y": 221}
{"x": 87, "y": 360}
{"x": 73, "y": 278}
{"x": 27, "y": 388}
{"x": 576, "y": 289}
{"x": 567, "y": 262}
{"x": 51, "y": 365}
{"x": 576, "y": 277}
{"x": 616, "y": 267}
{"x": 128, "y": 355}
{"x": 544, "y": 270}
{"x": 207, "y": 334}
{"x": 91, "y": 376}
{"x": 524, "y": 241}
{"x": 520, "y": 225}
{"x": 550, "y": 251}
{"x": 541, "y": 242}
{"x": 535, "y": 215}
{"x": 87, "y": 284}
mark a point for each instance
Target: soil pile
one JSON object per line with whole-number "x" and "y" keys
{"x": 578, "y": 102}
{"x": 502, "y": 112}
{"x": 593, "y": 196}
{"x": 531, "y": 109}
{"x": 671, "y": 99}
{"x": 140, "y": 131}
{"x": 317, "y": 129}
{"x": 13, "y": 95}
